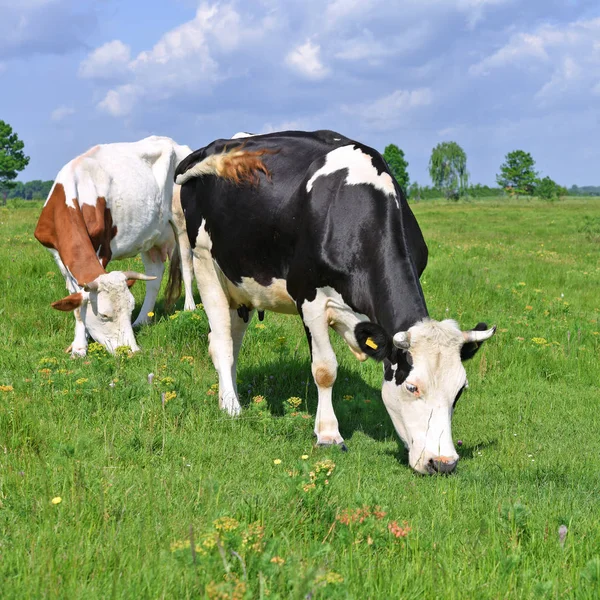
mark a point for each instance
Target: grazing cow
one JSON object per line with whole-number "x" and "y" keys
{"x": 116, "y": 201}
{"x": 314, "y": 224}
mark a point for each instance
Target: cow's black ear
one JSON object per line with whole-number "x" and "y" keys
{"x": 470, "y": 348}
{"x": 373, "y": 340}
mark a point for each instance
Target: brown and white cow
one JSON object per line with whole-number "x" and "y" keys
{"x": 116, "y": 201}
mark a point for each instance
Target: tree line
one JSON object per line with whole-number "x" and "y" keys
{"x": 447, "y": 170}
{"x": 449, "y": 176}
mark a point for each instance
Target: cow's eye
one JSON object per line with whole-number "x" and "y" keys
{"x": 413, "y": 389}
{"x": 104, "y": 317}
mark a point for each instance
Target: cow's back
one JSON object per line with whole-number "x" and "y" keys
{"x": 139, "y": 192}
{"x": 305, "y": 224}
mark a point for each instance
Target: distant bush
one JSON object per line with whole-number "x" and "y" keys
{"x": 585, "y": 190}
{"x": 484, "y": 191}
{"x": 590, "y": 227}
{"x": 23, "y": 203}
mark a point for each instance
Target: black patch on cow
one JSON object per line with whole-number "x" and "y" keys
{"x": 462, "y": 389}
{"x": 373, "y": 340}
{"x": 402, "y": 362}
{"x": 352, "y": 238}
{"x": 470, "y": 348}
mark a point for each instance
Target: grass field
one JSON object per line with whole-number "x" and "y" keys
{"x": 174, "y": 500}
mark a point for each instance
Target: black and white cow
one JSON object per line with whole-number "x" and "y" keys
{"x": 314, "y": 224}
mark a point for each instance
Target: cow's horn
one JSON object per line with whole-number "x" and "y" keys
{"x": 92, "y": 286}
{"x": 402, "y": 340}
{"x": 135, "y": 275}
{"x": 478, "y": 336}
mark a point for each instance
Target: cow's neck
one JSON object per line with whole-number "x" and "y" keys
{"x": 403, "y": 304}
{"x": 63, "y": 228}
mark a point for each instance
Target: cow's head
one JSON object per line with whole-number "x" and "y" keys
{"x": 424, "y": 378}
{"x": 105, "y": 306}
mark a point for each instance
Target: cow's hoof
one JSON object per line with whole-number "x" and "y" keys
{"x": 189, "y": 305}
{"x": 78, "y": 352}
{"x": 331, "y": 440}
{"x": 231, "y": 406}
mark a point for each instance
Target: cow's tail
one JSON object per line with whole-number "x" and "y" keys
{"x": 238, "y": 166}
{"x": 173, "y": 291}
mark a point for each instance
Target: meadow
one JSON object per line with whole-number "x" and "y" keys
{"x": 114, "y": 484}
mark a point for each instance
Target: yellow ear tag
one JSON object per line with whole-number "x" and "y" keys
{"x": 371, "y": 344}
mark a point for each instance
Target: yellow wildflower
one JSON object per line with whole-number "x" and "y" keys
{"x": 539, "y": 340}
{"x": 56, "y": 500}
{"x": 304, "y": 457}
{"x": 150, "y": 314}
{"x": 277, "y": 461}
{"x": 81, "y": 380}
{"x": 294, "y": 401}
{"x": 348, "y": 397}
{"x": 329, "y": 577}
{"x": 170, "y": 396}
{"x": 6, "y": 388}
{"x": 226, "y": 524}
{"x": 277, "y": 560}
{"x": 259, "y": 326}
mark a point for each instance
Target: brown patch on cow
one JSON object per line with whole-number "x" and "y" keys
{"x": 64, "y": 229}
{"x": 243, "y": 166}
{"x": 324, "y": 377}
{"x": 99, "y": 224}
{"x": 68, "y": 303}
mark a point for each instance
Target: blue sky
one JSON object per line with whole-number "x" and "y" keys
{"x": 492, "y": 75}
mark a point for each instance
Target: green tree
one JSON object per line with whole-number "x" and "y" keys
{"x": 414, "y": 191}
{"x": 547, "y": 188}
{"x": 517, "y": 173}
{"x": 448, "y": 169}
{"x": 394, "y": 157}
{"x": 12, "y": 159}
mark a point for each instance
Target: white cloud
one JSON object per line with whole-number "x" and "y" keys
{"x": 568, "y": 56}
{"x": 109, "y": 61}
{"x": 61, "y": 112}
{"x": 391, "y": 110}
{"x": 306, "y": 60}
{"x": 120, "y": 101}
{"x": 341, "y": 9}
{"x": 292, "y": 125}
{"x": 367, "y": 46}
{"x": 29, "y": 27}
{"x": 185, "y": 59}
{"x": 476, "y": 9}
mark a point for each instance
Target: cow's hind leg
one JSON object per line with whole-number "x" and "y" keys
{"x": 154, "y": 266}
{"x": 324, "y": 370}
{"x": 226, "y": 331}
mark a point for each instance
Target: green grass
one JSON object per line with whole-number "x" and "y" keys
{"x": 137, "y": 480}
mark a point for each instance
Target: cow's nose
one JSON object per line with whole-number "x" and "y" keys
{"x": 443, "y": 464}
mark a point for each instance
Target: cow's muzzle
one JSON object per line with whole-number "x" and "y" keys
{"x": 442, "y": 464}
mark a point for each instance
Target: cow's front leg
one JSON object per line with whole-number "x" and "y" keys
{"x": 80, "y": 343}
{"x": 154, "y": 266}
{"x": 324, "y": 370}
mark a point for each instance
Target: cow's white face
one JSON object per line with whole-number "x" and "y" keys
{"x": 105, "y": 307}
{"x": 107, "y": 312}
{"x": 424, "y": 377}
